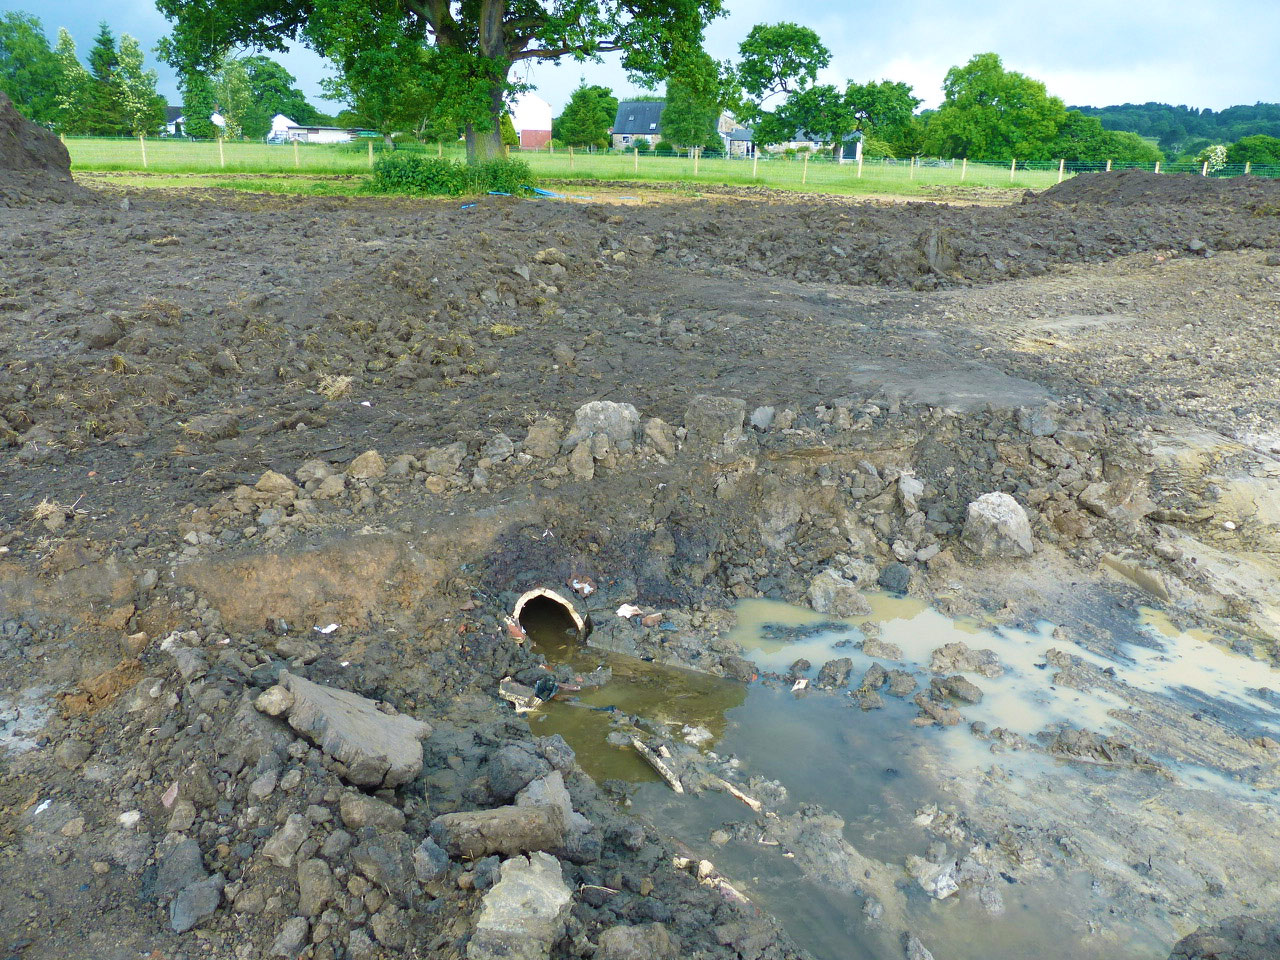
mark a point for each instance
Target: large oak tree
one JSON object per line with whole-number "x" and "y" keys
{"x": 474, "y": 43}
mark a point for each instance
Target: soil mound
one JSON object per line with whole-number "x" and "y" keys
{"x": 1129, "y": 187}
{"x": 34, "y": 164}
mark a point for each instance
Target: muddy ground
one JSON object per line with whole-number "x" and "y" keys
{"x": 192, "y": 380}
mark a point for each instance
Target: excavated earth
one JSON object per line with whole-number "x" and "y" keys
{"x": 192, "y": 385}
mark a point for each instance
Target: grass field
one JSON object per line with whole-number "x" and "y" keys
{"x": 817, "y": 175}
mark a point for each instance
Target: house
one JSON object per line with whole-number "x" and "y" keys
{"x": 175, "y": 122}
{"x": 637, "y": 120}
{"x": 279, "y": 131}
{"x": 740, "y": 142}
{"x": 531, "y": 117}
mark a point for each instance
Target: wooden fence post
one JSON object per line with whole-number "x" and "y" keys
{"x": 142, "y": 142}
{"x": 697, "y": 155}
{"x": 222, "y": 157}
{"x": 297, "y": 158}
{"x": 1204, "y": 171}
{"x": 371, "y": 153}
{"x": 1157, "y": 170}
{"x": 1062, "y": 168}
{"x": 1108, "y": 166}
{"x": 1248, "y": 165}
{"x": 1013, "y": 168}
{"x": 859, "y": 168}
{"x": 964, "y": 168}
{"x": 636, "y": 160}
{"x": 804, "y": 173}
{"x": 571, "y": 156}
{"x": 912, "y": 174}
{"x": 755, "y": 163}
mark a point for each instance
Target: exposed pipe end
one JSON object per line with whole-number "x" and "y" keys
{"x": 581, "y": 621}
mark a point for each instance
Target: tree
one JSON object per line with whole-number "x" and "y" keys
{"x": 473, "y": 45}
{"x": 885, "y": 106}
{"x": 29, "y": 69}
{"x": 197, "y": 106}
{"x": 689, "y": 119}
{"x": 233, "y": 95}
{"x": 1083, "y": 138}
{"x": 72, "y": 86}
{"x": 250, "y": 91}
{"x": 141, "y": 108}
{"x": 1258, "y": 149}
{"x": 587, "y": 117}
{"x": 779, "y": 58}
{"x": 988, "y": 112}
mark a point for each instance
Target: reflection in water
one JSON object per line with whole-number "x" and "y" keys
{"x": 876, "y": 770}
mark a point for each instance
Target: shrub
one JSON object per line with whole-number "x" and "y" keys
{"x": 403, "y": 172}
{"x": 642, "y": 145}
{"x": 665, "y": 148}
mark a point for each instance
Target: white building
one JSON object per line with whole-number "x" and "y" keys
{"x": 531, "y": 117}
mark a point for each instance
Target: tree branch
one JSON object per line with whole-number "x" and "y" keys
{"x": 552, "y": 53}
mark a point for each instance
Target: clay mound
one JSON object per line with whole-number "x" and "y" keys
{"x": 1128, "y": 187}
{"x": 34, "y": 164}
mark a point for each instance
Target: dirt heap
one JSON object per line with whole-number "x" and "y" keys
{"x": 1129, "y": 187}
{"x": 34, "y": 164}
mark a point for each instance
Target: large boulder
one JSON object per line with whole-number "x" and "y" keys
{"x": 503, "y": 830}
{"x": 524, "y": 914}
{"x": 644, "y": 941}
{"x": 997, "y": 526}
{"x": 832, "y": 594}
{"x": 375, "y": 749}
{"x": 714, "y": 419}
{"x": 1234, "y": 938}
{"x": 618, "y": 421}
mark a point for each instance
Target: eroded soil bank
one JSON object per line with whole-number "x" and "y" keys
{"x": 687, "y": 404}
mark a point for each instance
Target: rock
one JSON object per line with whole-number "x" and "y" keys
{"x": 938, "y": 880}
{"x": 289, "y": 941}
{"x": 335, "y": 845}
{"x": 195, "y": 903}
{"x": 213, "y": 426}
{"x": 313, "y": 470}
{"x": 331, "y": 487}
{"x": 498, "y": 449}
{"x": 183, "y": 816}
{"x": 645, "y": 941}
{"x": 402, "y": 465}
{"x": 71, "y": 753}
{"x": 191, "y": 663}
{"x": 101, "y": 333}
{"x": 512, "y": 768}
{"x": 996, "y": 526}
{"x": 881, "y": 649}
{"x": 901, "y": 683}
{"x": 389, "y": 928}
{"x": 1232, "y": 938}
{"x": 762, "y": 418}
{"x": 360, "y": 946}
{"x": 274, "y": 700}
{"x": 617, "y": 421}
{"x": 961, "y": 689}
{"x": 834, "y": 674}
{"x": 284, "y": 843}
{"x": 504, "y": 830}
{"x": 225, "y": 362}
{"x": 662, "y": 435}
{"x": 179, "y": 864}
{"x": 316, "y": 887}
{"x": 368, "y": 466}
{"x": 375, "y": 749}
{"x": 910, "y": 489}
{"x": 914, "y": 949}
{"x": 263, "y": 785}
{"x": 429, "y": 860}
{"x": 358, "y": 810}
{"x": 275, "y": 484}
{"x": 581, "y": 463}
{"x": 957, "y": 657}
{"x": 524, "y": 915}
{"x": 443, "y": 461}
{"x": 543, "y": 439}
{"x": 895, "y": 577}
{"x": 714, "y": 419}
{"x": 550, "y": 790}
{"x": 831, "y": 593}
{"x": 387, "y": 862}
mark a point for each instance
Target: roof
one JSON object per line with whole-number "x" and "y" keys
{"x": 172, "y": 113}
{"x": 639, "y": 116}
{"x": 745, "y": 134}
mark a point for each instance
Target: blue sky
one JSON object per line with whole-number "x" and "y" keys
{"x": 1203, "y": 54}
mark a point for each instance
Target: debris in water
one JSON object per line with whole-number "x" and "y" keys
{"x": 658, "y": 764}
{"x": 800, "y": 684}
{"x": 707, "y": 875}
{"x": 523, "y": 698}
{"x": 729, "y": 788}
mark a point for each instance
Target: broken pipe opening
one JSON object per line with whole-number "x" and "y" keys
{"x": 541, "y": 603}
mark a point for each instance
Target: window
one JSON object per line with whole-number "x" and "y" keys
{"x": 632, "y": 117}
{"x": 653, "y": 126}
{"x": 625, "y": 138}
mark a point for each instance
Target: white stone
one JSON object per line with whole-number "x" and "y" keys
{"x": 997, "y": 526}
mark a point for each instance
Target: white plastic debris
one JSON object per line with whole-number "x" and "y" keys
{"x": 44, "y": 805}
{"x": 583, "y": 586}
{"x": 326, "y": 630}
{"x": 629, "y": 610}
{"x": 800, "y": 684}
{"x": 129, "y": 819}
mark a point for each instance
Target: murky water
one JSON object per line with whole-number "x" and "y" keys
{"x": 876, "y": 771}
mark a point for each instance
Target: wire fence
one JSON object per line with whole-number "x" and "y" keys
{"x": 817, "y": 172}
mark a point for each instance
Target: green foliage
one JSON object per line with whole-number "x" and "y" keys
{"x": 402, "y": 172}
{"x": 692, "y": 109}
{"x": 587, "y": 117}
{"x": 1183, "y": 129}
{"x": 30, "y": 73}
{"x": 641, "y": 145}
{"x": 1258, "y": 149}
{"x": 461, "y": 54}
{"x": 134, "y": 90}
{"x": 509, "y": 136}
{"x": 73, "y": 86}
{"x": 875, "y": 149}
{"x": 665, "y": 148}
{"x": 250, "y": 91}
{"x": 777, "y": 59}
{"x": 988, "y": 112}
{"x": 1214, "y": 155}
{"x": 1083, "y": 138}
{"x": 197, "y": 106}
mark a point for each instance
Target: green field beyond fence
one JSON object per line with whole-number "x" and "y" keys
{"x": 819, "y": 173}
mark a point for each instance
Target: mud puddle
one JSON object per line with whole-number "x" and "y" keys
{"x": 814, "y": 754}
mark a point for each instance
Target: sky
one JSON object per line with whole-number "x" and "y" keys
{"x": 1202, "y": 53}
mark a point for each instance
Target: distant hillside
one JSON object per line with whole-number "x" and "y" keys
{"x": 1179, "y": 128}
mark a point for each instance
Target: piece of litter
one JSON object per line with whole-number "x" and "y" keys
{"x": 170, "y": 795}
{"x": 523, "y": 698}
{"x": 655, "y": 761}
{"x": 326, "y": 630}
{"x": 345, "y": 663}
{"x": 800, "y": 684}
{"x": 466, "y": 206}
{"x": 365, "y": 403}
{"x": 583, "y": 586}
{"x": 629, "y": 610}
{"x": 514, "y": 630}
{"x": 44, "y": 805}
{"x": 130, "y": 818}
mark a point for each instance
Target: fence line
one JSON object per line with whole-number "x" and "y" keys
{"x": 810, "y": 170}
